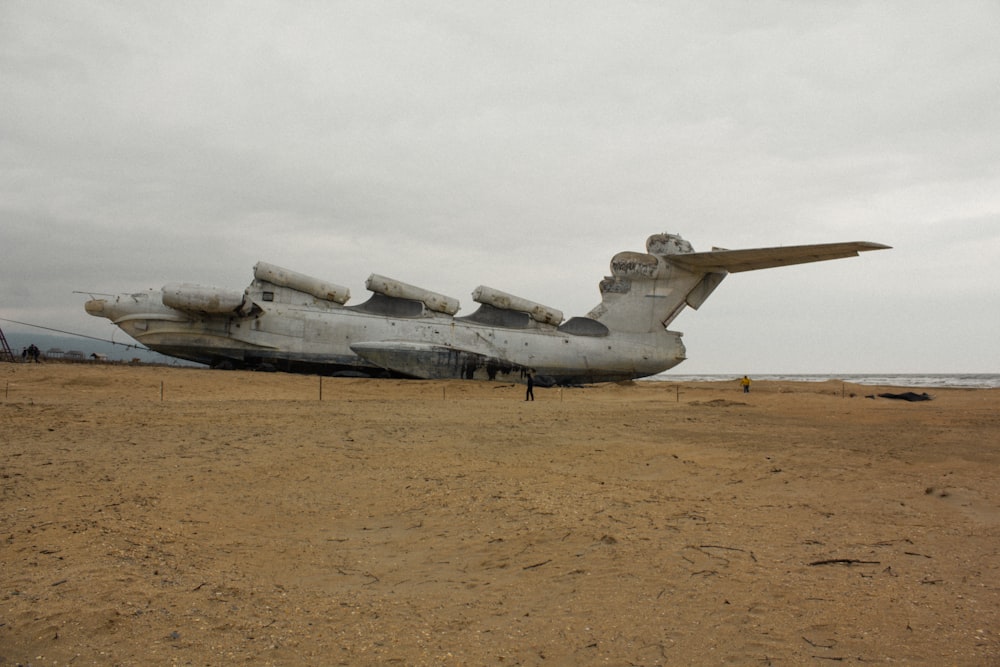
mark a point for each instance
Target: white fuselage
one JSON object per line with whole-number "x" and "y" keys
{"x": 317, "y": 337}
{"x": 290, "y": 321}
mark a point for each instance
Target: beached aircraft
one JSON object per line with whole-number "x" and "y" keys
{"x": 292, "y": 322}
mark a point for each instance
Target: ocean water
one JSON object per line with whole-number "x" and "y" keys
{"x": 968, "y": 380}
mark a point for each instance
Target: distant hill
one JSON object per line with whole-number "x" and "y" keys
{"x": 20, "y": 339}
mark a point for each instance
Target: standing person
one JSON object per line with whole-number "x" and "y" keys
{"x": 529, "y": 395}
{"x": 34, "y": 352}
{"x": 745, "y": 383}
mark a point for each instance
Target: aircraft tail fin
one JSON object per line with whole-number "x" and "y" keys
{"x": 646, "y": 291}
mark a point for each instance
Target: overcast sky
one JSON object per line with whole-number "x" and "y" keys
{"x": 519, "y": 145}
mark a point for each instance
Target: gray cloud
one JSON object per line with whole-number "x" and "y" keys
{"x": 521, "y": 146}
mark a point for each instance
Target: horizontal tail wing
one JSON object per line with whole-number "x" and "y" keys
{"x": 736, "y": 261}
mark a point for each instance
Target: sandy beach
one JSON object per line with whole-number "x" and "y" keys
{"x": 156, "y": 515}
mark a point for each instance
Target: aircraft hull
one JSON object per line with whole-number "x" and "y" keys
{"x": 344, "y": 342}
{"x": 289, "y": 321}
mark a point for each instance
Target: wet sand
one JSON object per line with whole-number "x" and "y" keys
{"x": 156, "y": 515}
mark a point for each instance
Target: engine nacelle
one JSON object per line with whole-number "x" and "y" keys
{"x": 200, "y": 299}
{"x": 281, "y": 277}
{"x": 434, "y": 301}
{"x": 498, "y": 299}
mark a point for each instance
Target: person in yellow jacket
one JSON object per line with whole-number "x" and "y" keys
{"x": 745, "y": 383}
